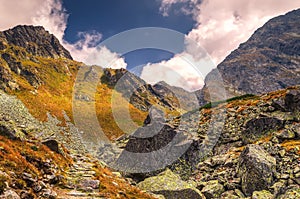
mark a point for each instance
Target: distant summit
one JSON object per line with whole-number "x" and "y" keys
{"x": 36, "y": 41}
{"x": 268, "y": 61}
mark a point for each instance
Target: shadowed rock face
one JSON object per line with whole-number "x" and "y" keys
{"x": 268, "y": 61}
{"x": 177, "y": 96}
{"x": 292, "y": 101}
{"x": 151, "y": 143}
{"x": 256, "y": 169}
{"x": 36, "y": 40}
{"x": 21, "y": 49}
{"x": 135, "y": 90}
{"x": 257, "y": 127}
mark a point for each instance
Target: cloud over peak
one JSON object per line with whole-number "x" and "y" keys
{"x": 219, "y": 29}
{"x": 222, "y": 25}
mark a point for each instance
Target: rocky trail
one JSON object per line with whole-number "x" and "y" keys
{"x": 81, "y": 180}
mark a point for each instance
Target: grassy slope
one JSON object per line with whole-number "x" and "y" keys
{"x": 55, "y": 96}
{"x": 55, "y": 93}
{"x": 20, "y": 156}
{"x": 105, "y": 115}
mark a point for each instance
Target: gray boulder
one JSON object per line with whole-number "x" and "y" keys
{"x": 170, "y": 186}
{"x": 257, "y": 127}
{"x": 292, "y": 100}
{"x": 213, "y": 189}
{"x": 256, "y": 169}
{"x": 9, "y": 194}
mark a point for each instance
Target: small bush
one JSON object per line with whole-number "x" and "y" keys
{"x": 241, "y": 97}
{"x": 35, "y": 148}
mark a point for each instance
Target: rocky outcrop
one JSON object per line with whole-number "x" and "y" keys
{"x": 53, "y": 145}
{"x": 268, "y": 61}
{"x": 292, "y": 101}
{"x": 152, "y": 136}
{"x": 233, "y": 169}
{"x": 35, "y": 40}
{"x": 187, "y": 101}
{"x": 256, "y": 169}
{"x": 137, "y": 91}
{"x": 212, "y": 189}
{"x": 28, "y": 55}
{"x": 170, "y": 186}
{"x": 258, "y": 127}
{"x": 16, "y": 122}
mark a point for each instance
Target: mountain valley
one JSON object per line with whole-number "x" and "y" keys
{"x": 63, "y": 134}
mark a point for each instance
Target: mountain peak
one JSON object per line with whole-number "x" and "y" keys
{"x": 36, "y": 40}
{"x": 267, "y": 61}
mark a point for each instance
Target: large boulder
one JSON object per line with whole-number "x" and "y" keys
{"x": 170, "y": 186}
{"x": 262, "y": 195}
{"x": 9, "y": 194}
{"x": 292, "y": 100}
{"x": 257, "y": 127}
{"x": 292, "y": 193}
{"x": 256, "y": 169}
{"x": 53, "y": 145}
{"x": 212, "y": 189}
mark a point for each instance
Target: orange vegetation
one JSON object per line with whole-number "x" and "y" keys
{"x": 20, "y": 156}
{"x": 105, "y": 116}
{"x": 291, "y": 144}
{"x": 114, "y": 187}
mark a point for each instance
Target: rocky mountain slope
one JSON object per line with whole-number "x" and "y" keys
{"x": 40, "y": 73}
{"x": 188, "y": 101}
{"x": 36, "y": 68}
{"x": 35, "y": 40}
{"x": 47, "y": 160}
{"x": 268, "y": 61}
{"x": 253, "y": 153}
{"x": 242, "y": 147}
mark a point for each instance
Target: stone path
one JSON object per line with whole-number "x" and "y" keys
{"x": 81, "y": 182}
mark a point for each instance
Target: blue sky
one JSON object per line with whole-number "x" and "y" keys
{"x": 115, "y": 16}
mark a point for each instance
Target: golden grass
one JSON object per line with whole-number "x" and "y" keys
{"x": 105, "y": 116}
{"x": 55, "y": 94}
{"x": 115, "y": 188}
{"x": 13, "y": 156}
{"x": 291, "y": 144}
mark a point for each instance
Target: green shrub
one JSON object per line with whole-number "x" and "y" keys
{"x": 241, "y": 97}
{"x": 35, "y": 148}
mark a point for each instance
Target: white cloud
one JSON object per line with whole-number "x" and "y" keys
{"x": 167, "y": 4}
{"x": 86, "y": 50}
{"x": 220, "y": 27}
{"x": 53, "y": 17}
{"x": 17, "y": 12}
{"x": 183, "y": 70}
